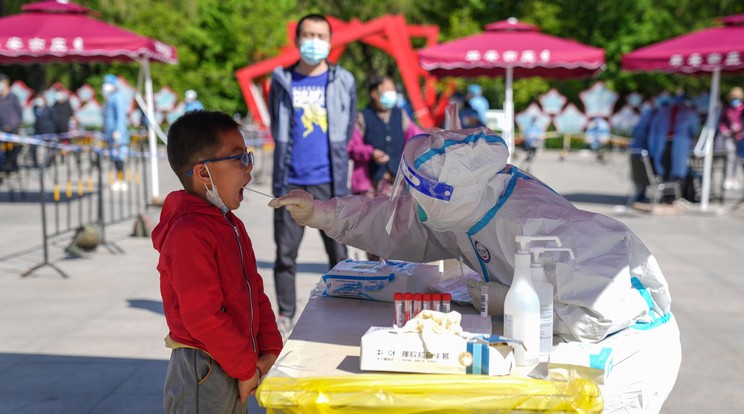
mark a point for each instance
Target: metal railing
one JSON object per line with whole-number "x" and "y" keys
{"x": 78, "y": 185}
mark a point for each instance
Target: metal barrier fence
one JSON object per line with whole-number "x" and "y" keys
{"x": 259, "y": 141}
{"x": 77, "y": 184}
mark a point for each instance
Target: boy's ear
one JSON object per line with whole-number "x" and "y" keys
{"x": 201, "y": 175}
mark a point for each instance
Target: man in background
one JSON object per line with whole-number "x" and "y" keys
{"x": 62, "y": 112}
{"x": 11, "y": 115}
{"x": 312, "y": 104}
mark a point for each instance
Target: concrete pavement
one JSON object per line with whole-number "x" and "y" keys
{"x": 93, "y": 343}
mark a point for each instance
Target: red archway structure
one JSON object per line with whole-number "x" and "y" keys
{"x": 389, "y": 33}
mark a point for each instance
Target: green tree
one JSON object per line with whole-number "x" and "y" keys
{"x": 214, "y": 38}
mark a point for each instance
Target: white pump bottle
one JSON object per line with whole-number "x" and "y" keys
{"x": 522, "y": 307}
{"x": 545, "y": 293}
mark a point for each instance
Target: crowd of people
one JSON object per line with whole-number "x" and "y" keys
{"x": 667, "y": 130}
{"x": 52, "y": 122}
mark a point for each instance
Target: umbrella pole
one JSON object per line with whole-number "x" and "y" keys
{"x": 509, "y": 111}
{"x": 151, "y": 129}
{"x": 709, "y": 136}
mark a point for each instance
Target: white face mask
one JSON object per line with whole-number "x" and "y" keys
{"x": 108, "y": 88}
{"x": 38, "y": 102}
{"x": 61, "y": 96}
{"x": 213, "y": 196}
{"x": 2, "y": 88}
{"x": 388, "y": 99}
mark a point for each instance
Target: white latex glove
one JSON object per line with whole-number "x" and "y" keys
{"x": 496, "y": 295}
{"x": 307, "y": 211}
{"x": 116, "y": 135}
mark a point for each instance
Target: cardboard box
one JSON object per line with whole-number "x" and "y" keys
{"x": 385, "y": 350}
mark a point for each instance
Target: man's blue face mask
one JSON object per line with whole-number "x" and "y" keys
{"x": 313, "y": 51}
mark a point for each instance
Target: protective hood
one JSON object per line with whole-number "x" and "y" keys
{"x": 177, "y": 205}
{"x": 453, "y": 175}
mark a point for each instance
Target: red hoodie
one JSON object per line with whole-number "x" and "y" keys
{"x": 213, "y": 296}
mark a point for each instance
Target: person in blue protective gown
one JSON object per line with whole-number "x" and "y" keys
{"x": 456, "y": 197}
{"x": 116, "y": 127}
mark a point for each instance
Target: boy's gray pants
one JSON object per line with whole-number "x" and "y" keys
{"x": 196, "y": 384}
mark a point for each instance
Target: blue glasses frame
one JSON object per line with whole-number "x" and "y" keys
{"x": 246, "y": 158}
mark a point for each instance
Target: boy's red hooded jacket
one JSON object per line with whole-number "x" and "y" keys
{"x": 213, "y": 296}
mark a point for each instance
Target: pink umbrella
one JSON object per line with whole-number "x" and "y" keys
{"x": 59, "y": 31}
{"x": 712, "y": 50}
{"x": 512, "y": 49}
{"x": 51, "y": 31}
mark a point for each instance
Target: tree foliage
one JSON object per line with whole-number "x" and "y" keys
{"x": 214, "y": 38}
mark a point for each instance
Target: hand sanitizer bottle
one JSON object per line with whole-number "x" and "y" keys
{"x": 522, "y": 309}
{"x": 544, "y": 291}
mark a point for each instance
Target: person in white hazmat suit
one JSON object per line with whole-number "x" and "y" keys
{"x": 463, "y": 200}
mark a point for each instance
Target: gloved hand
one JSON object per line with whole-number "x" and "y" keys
{"x": 496, "y": 295}
{"x": 116, "y": 135}
{"x": 307, "y": 211}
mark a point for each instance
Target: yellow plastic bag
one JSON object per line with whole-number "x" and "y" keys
{"x": 425, "y": 393}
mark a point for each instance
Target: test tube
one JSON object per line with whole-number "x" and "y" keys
{"x": 426, "y": 304}
{"x": 398, "y": 318}
{"x": 484, "y": 301}
{"x": 436, "y": 302}
{"x": 407, "y": 306}
{"x": 416, "y": 304}
{"x": 446, "y": 302}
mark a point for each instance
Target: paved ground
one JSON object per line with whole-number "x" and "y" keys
{"x": 93, "y": 343}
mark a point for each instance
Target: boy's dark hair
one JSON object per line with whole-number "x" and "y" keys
{"x": 314, "y": 18}
{"x": 375, "y": 80}
{"x": 195, "y": 136}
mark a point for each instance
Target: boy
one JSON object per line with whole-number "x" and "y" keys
{"x": 222, "y": 329}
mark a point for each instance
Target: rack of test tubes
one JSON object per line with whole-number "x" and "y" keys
{"x": 408, "y": 305}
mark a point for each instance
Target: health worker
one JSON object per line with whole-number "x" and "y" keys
{"x": 455, "y": 196}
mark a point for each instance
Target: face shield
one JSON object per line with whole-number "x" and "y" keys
{"x": 408, "y": 176}
{"x": 447, "y": 173}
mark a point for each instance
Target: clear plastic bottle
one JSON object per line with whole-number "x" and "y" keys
{"x": 522, "y": 309}
{"x": 545, "y": 293}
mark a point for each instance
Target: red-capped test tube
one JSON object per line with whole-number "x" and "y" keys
{"x": 436, "y": 302}
{"x": 446, "y": 302}
{"x": 426, "y": 304}
{"x": 416, "y": 304}
{"x": 407, "y": 306}
{"x": 398, "y": 318}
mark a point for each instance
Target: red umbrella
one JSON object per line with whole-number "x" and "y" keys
{"x": 706, "y": 50}
{"x": 712, "y": 50}
{"x": 51, "y": 31}
{"x": 512, "y": 49}
{"x": 59, "y": 31}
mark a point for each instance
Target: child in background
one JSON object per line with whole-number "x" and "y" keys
{"x": 222, "y": 329}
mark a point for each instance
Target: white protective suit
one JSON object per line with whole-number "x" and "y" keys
{"x": 614, "y": 291}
